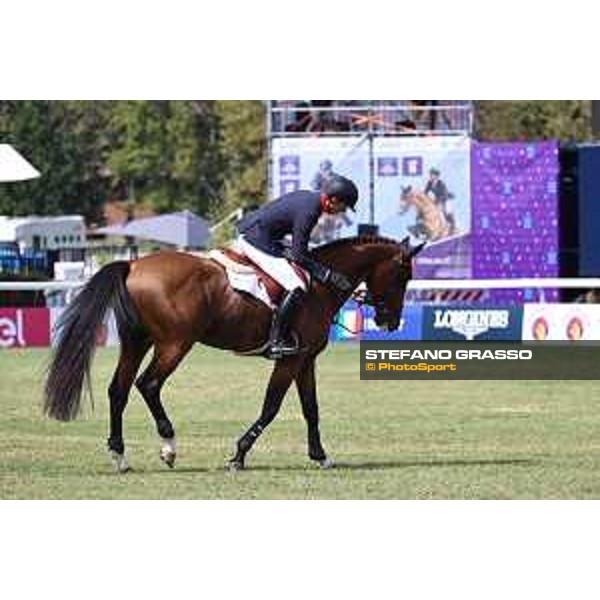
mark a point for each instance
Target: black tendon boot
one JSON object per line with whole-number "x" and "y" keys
{"x": 281, "y": 342}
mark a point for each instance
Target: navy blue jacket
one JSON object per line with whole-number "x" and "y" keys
{"x": 296, "y": 213}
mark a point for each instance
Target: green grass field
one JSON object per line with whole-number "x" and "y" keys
{"x": 391, "y": 440}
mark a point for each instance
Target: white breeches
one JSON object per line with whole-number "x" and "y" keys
{"x": 278, "y": 268}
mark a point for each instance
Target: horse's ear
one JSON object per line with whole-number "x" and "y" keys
{"x": 405, "y": 243}
{"x": 416, "y": 249}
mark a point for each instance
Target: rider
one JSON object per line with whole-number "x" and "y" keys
{"x": 261, "y": 237}
{"x": 437, "y": 189}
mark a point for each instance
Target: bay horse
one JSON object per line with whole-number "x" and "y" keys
{"x": 171, "y": 300}
{"x": 431, "y": 220}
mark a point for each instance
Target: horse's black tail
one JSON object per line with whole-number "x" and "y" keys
{"x": 76, "y": 338}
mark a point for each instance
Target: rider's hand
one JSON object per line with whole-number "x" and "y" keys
{"x": 333, "y": 278}
{"x": 322, "y": 274}
{"x": 340, "y": 281}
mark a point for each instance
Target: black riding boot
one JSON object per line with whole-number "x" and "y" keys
{"x": 280, "y": 340}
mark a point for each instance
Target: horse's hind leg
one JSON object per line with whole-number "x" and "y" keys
{"x": 164, "y": 362}
{"x": 130, "y": 359}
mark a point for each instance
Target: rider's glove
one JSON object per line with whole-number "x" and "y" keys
{"x": 339, "y": 280}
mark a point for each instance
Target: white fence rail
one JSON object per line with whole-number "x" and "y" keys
{"x": 415, "y": 284}
{"x": 504, "y": 284}
{"x": 39, "y": 286}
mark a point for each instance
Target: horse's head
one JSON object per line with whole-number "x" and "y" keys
{"x": 386, "y": 285}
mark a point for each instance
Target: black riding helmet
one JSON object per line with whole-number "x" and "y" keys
{"x": 343, "y": 189}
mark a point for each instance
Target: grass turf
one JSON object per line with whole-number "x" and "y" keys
{"x": 391, "y": 440}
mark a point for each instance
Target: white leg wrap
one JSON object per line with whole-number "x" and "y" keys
{"x": 120, "y": 461}
{"x": 169, "y": 446}
{"x": 327, "y": 463}
{"x": 168, "y": 452}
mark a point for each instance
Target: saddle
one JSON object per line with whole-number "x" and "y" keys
{"x": 246, "y": 276}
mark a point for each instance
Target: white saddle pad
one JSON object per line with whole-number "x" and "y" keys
{"x": 242, "y": 277}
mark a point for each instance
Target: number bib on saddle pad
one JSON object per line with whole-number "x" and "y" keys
{"x": 246, "y": 276}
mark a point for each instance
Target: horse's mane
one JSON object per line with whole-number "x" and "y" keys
{"x": 359, "y": 240}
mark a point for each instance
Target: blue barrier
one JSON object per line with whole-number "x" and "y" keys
{"x": 358, "y": 323}
{"x": 11, "y": 261}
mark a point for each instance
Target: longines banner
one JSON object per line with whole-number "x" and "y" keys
{"x": 468, "y": 323}
{"x": 431, "y": 361}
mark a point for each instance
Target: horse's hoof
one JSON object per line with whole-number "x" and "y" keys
{"x": 327, "y": 463}
{"x": 168, "y": 452}
{"x": 235, "y": 465}
{"x": 168, "y": 458}
{"x": 121, "y": 463}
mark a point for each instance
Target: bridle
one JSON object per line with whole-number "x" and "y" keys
{"x": 362, "y": 298}
{"x": 366, "y": 298}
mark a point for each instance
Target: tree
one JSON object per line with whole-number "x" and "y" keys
{"x": 164, "y": 154}
{"x": 242, "y": 143}
{"x": 139, "y": 154}
{"x": 196, "y": 163}
{"x": 56, "y": 139}
{"x": 565, "y": 120}
{"x": 208, "y": 156}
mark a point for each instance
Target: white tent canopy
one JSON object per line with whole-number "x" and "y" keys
{"x": 183, "y": 229}
{"x": 13, "y": 167}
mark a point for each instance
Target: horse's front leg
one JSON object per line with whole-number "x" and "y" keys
{"x": 307, "y": 390}
{"x": 282, "y": 376}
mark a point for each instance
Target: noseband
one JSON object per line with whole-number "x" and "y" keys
{"x": 365, "y": 298}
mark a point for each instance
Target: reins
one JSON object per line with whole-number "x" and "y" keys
{"x": 362, "y": 297}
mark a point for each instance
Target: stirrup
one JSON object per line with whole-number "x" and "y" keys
{"x": 281, "y": 348}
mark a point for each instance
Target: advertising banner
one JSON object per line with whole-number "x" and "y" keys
{"x": 24, "y": 327}
{"x": 422, "y": 189}
{"x": 561, "y": 322}
{"x": 358, "y": 323}
{"x": 107, "y": 334}
{"x": 589, "y": 209}
{"x": 472, "y": 323}
{"x": 305, "y": 163}
{"x": 515, "y": 215}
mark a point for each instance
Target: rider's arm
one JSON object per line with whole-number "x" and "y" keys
{"x": 301, "y": 235}
{"x": 300, "y": 253}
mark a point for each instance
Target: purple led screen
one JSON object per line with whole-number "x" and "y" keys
{"x": 514, "y": 191}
